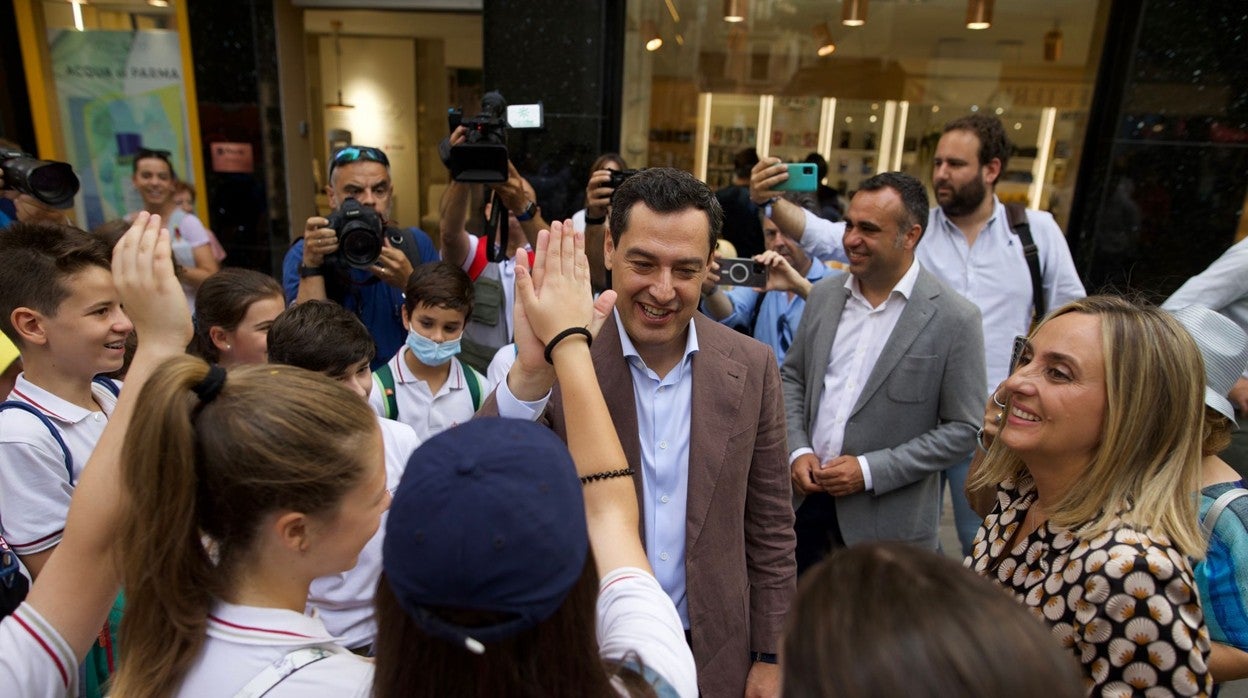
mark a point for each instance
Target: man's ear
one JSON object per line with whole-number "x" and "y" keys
{"x": 608, "y": 249}
{"x": 912, "y": 236}
{"x": 992, "y": 172}
{"x": 29, "y": 325}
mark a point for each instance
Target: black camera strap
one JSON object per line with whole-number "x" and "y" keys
{"x": 497, "y": 227}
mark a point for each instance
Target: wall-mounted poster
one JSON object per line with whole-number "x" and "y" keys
{"x": 118, "y": 92}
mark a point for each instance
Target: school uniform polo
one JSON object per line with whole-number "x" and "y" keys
{"x": 34, "y": 484}
{"x": 428, "y": 414}
{"x": 345, "y": 600}
{"x": 242, "y": 641}
{"x": 35, "y": 661}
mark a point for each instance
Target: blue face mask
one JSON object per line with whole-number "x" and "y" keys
{"x": 429, "y": 352}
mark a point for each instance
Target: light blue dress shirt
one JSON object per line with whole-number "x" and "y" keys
{"x": 664, "y": 408}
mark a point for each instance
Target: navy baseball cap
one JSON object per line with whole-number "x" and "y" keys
{"x": 488, "y": 517}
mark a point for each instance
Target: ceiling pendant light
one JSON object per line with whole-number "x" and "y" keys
{"x": 650, "y": 32}
{"x": 734, "y": 10}
{"x": 853, "y": 12}
{"x": 1053, "y": 44}
{"x": 978, "y": 14}
{"x": 338, "y": 105}
{"x": 823, "y": 40}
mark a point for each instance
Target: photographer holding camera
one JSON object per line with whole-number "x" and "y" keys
{"x": 607, "y": 173}
{"x": 490, "y": 266}
{"x": 356, "y": 257}
{"x": 18, "y": 202}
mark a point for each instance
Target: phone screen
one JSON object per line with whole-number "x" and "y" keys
{"x": 1020, "y": 344}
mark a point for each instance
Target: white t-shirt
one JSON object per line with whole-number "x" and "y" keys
{"x": 636, "y": 617}
{"x": 35, "y": 660}
{"x": 345, "y": 600}
{"x": 428, "y": 414}
{"x": 242, "y": 641}
{"x": 34, "y": 484}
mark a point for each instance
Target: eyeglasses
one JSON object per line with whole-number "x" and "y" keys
{"x": 356, "y": 153}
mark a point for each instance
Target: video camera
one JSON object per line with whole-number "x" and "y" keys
{"x": 483, "y": 156}
{"x": 361, "y": 235}
{"x": 53, "y": 183}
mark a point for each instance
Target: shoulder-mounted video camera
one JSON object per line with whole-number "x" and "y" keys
{"x": 483, "y": 156}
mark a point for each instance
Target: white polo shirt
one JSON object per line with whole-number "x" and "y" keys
{"x": 34, "y": 484}
{"x": 426, "y": 413}
{"x": 35, "y": 660}
{"x": 345, "y": 600}
{"x": 242, "y": 641}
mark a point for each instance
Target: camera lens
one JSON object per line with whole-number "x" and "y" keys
{"x": 53, "y": 183}
{"x": 738, "y": 273}
{"x": 360, "y": 245}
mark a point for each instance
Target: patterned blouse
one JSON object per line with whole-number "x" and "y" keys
{"x": 1124, "y": 602}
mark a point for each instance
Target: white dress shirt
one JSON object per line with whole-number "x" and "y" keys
{"x": 860, "y": 338}
{"x": 1222, "y": 287}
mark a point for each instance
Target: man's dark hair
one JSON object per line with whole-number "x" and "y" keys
{"x": 993, "y": 142}
{"x": 665, "y": 190}
{"x": 914, "y": 205}
{"x": 439, "y": 285}
{"x": 320, "y": 336}
{"x": 821, "y": 165}
{"x": 743, "y": 162}
{"x": 38, "y": 259}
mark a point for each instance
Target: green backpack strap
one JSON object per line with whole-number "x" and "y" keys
{"x": 384, "y": 378}
{"x": 474, "y": 383}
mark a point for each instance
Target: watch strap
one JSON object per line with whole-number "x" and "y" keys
{"x": 306, "y": 271}
{"x": 528, "y": 212}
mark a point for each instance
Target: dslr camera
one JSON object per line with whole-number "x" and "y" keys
{"x": 618, "y": 177}
{"x": 361, "y": 235}
{"x": 483, "y": 156}
{"x": 53, "y": 183}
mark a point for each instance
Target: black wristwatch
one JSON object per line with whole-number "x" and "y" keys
{"x": 305, "y": 272}
{"x": 528, "y": 212}
{"x": 764, "y": 657}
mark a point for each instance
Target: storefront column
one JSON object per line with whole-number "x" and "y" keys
{"x": 569, "y": 56}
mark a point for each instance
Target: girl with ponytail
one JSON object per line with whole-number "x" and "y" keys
{"x": 242, "y": 491}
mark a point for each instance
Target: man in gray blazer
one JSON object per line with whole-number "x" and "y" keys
{"x": 882, "y": 385}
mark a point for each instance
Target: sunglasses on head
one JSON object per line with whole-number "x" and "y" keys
{"x": 356, "y": 153}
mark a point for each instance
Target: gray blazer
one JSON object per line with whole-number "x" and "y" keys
{"x": 917, "y": 414}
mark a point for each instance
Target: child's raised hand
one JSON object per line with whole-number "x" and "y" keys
{"x": 150, "y": 293}
{"x": 565, "y": 298}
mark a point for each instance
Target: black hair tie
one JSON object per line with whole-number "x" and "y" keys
{"x": 589, "y": 340}
{"x": 210, "y": 387}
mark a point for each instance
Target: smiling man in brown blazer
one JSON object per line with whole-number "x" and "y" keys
{"x": 699, "y": 410}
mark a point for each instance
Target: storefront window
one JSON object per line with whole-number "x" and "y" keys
{"x": 109, "y": 78}
{"x": 877, "y": 101}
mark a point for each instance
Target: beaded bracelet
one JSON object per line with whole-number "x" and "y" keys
{"x": 607, "y": 475}
{"x": 550, "y": 346}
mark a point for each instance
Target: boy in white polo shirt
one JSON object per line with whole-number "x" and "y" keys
{"x": 324, "y": 337}
{"x": 59, "y": 306}
{"x": 426, "y": 385}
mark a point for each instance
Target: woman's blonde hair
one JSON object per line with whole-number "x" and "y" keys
{"x": 1146, "y": 468}
{"x": 202, "y": 475}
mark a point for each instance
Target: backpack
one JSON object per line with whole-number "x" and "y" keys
{"x": 1020, "y": 226}
{"x": 13, "y": 584}
{"x": 384, "y": 378}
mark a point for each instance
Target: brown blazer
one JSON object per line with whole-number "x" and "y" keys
{"x": 739, "y": 566}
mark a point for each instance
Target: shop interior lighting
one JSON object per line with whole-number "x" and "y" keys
{"x": 853, "y": 12}
{"x": 338, "y": 105}
{"x": 734, "y": 10}
{"x": 978, "y": 14}
{"x": 1053, "y": 44}
{"x": 823, "y": 40}
{"x": 78, "y": 16}
{"x": 650, "y": 31}
{"x": 158, "y": 3}
{"x": 671, "y": 10}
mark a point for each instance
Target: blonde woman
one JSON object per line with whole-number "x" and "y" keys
{"x": 1097, "y": 455}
